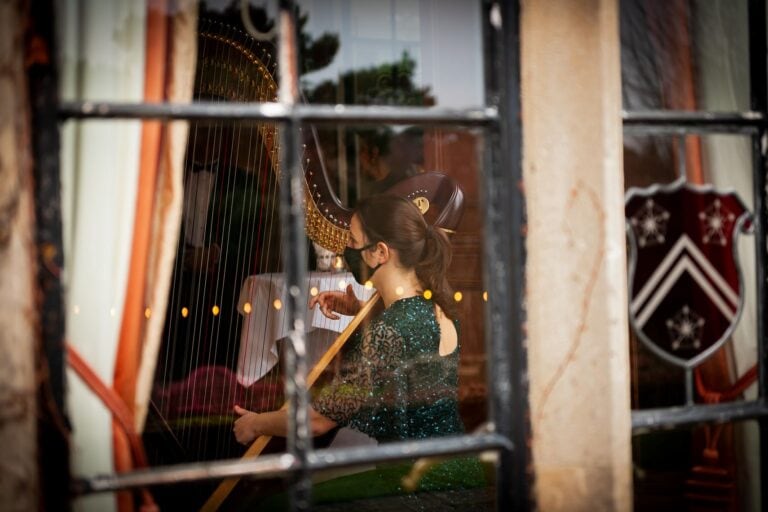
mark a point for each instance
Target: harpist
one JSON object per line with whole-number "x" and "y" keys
{"x": 399, "y": 377}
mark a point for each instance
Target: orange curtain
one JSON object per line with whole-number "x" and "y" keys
{"x": 135, "y": 310}
{"x": 681, "y": 94}
{"x": 171, "y": 47}
{"x": 167, "y": 211}
{"x": 668, "y": 24}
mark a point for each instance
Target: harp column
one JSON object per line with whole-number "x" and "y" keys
{"x": 576, "y": 266}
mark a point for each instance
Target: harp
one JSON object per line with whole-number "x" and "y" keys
{"x": 230, "y": 236}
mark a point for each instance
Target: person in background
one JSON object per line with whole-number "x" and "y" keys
{"x": 386, "y": 158}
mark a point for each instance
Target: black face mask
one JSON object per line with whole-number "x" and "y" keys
{"x": 355, "y": 263}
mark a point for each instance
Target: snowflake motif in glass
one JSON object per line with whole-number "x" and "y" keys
{"x": 650, "y": 224}
{"x": 685, "y": 329}
{"x": 716, "y": 221}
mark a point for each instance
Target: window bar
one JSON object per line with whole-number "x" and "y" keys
{"x": 758, "y": 92}
{"x": 279, "y": 112}
{"x": 292, "y": 215}
{"x": 504, "y": 258}
{"x": 43, "y": 88}
{"x": 648, "y": 420}
{"x": 275, "y": 465}
{"x": 681, "y": 122}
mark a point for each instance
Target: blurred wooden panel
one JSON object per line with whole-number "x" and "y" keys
{"x": 456, "y": 153}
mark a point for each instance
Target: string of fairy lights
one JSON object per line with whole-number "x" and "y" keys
{"x": 277, "y": 303}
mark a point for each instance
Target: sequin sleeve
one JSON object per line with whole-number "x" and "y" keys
{"x": 361, "y": 387}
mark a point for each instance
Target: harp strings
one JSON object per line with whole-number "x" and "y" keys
{"x": 177, "y": 305}
{"x": 226, "y": 333}
{"x": 247, "y": 241}
{"x": 256, "y": 236}
{"x": 206, "y": 330}
{"x": 182, "y": 292}
{"x": 231, "y": 200}
{"x": 193, "y": 330}
{"x": 261, "y": 244}
{"x": 251, "y": 235}
{"x": 212, "y": 163}
{"x": 211, "y": 305}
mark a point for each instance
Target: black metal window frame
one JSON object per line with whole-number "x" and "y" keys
{"x": 503, "y": 257}
{"x": 755, "y": 124}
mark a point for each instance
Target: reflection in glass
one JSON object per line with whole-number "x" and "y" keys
{"x": 723, "y": 161}
{"x": 404, "y": 52}
{"x": 685, "y": 55}
{"x": 710, "y": 464}
{"x": 707, "y": 467}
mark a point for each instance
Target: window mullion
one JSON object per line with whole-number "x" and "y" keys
{"x": 758, "y": 92}
{"x": 294, "y": 240}
{"x": 504, "y": 259}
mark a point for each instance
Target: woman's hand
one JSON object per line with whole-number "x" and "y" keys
{"x": 246, "y": 427}
{"x": 345, "y": 303}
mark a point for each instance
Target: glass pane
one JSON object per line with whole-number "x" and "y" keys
{"x": 390, "y": 381}
{"x": 725, "y": 163}
{"x": 219, "y": 328}
{"x": 685, "y": 55}
{"x": 713, "y": 467}
{"x": 396, "y": 52}
{"x": 216, "y": 322}
{"x": 400, "y": 52}
{"x": 382, "y": 488}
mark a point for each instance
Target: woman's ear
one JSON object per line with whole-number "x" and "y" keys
{"x": 383, "y": 253}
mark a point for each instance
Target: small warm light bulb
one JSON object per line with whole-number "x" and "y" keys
{"x": 458, "y": 296}
{"x": 485, "y": 296}
{"x": 184, "y": 312}
{"x": 314, "y": 291}
{"x": 278, "y": 304}
{"x": 399, "y": 290}
{"x": 247, "y": 308}
{"x": 427, "y": 294}
{"x": 338, "y": 262}
{"x": 369, "y": 285}
{"x": 215, "y": 310}
{"x": 342, "y": 284}
{"x": 147, "y": 312}
{"x": 76, "y": 310}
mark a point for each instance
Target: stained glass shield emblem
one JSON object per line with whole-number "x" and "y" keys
{"x": 685, "y": 284}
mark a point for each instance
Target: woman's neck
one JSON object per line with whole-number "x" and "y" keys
{"x": 395, "y": 283}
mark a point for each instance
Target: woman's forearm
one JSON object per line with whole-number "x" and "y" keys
{"x": 275, "y": 423}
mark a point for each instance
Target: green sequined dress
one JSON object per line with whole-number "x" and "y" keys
{"x": 394, "y": 385}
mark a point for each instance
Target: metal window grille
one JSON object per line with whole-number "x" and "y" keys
{"x": 755, "y": 124}
{"x": 503, "y": 261}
